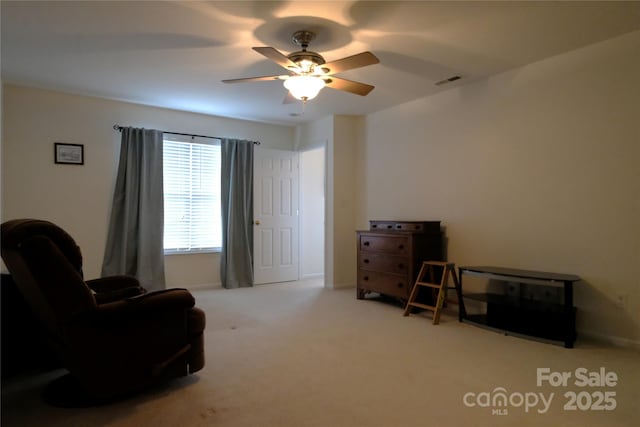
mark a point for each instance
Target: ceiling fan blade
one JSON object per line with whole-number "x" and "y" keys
{"x": 357, "y": 88}
{"x": 350, "y": 62}
{"x": 277, "y": 57}
{"x": 254, "y": 79}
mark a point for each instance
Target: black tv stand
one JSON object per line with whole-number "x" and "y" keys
{"x": 521, "y": 314}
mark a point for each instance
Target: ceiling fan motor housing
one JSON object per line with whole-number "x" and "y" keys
{"x": 302, "y": 57}
{"x": 303, "y": 38}
{"x": 307, "y": 55}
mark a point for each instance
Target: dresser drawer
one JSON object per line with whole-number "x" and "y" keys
{"x": 384, "y": 283}
{"x": 397, "y": 245}
{"x": 412, "y": 226}
{"x": 382, "y": 225}
{"x": 383, "y": 262}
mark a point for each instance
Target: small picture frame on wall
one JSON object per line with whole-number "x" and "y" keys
{"x": 68, "y": 154}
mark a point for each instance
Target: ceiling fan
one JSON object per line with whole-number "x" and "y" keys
{"x": 309, "y": 72}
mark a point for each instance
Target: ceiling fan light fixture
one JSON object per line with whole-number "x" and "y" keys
{"x": 304, "y": 88}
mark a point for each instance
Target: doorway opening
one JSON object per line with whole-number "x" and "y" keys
{"x": 312, "y": 213}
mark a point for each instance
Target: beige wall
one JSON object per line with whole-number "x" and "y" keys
{"x": 78, "y": 198}
{"x": 344, "y": 197}
{"x": 537, "y": 168}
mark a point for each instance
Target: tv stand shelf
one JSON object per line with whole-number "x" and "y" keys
{"x": 523, "y": 314}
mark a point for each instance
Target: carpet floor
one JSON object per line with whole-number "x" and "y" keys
{"x": 296, "y": 354}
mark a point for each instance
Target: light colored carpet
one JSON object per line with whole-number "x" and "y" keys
{"x": 296, "y": 354}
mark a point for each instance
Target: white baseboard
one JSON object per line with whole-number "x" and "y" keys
{"x": 310, "y": 276}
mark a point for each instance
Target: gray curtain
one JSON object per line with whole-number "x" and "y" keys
{"x": 135, "y": 241}
{"x": 236, "y": 262}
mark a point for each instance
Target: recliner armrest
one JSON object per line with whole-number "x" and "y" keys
{"x": 114, "y": 288}
{"x": 150, "y": 304}
{"x": 107, "y": 297}
{"x": 113, "y": 283}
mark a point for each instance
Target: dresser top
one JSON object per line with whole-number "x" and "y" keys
{"x": 396, "y": 221}
{"x": 409, "y": 226}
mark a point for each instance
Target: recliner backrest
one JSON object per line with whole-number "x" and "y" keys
{"x": 16, "y": 231}
{"x": 46, "y": 266}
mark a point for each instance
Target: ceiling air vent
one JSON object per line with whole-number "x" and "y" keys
{"x": 449, "y": 80}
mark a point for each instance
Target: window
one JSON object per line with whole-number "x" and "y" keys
{"x": 192, "y": 214}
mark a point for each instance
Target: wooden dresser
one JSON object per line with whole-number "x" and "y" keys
{"x": 390, "y": 254}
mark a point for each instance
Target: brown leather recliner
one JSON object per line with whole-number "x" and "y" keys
{"x": 113, "y": 336}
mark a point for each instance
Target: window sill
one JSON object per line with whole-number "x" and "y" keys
{"x": 200, "y": 251}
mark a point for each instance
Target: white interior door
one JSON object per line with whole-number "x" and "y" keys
{"x": 275, "y": 216}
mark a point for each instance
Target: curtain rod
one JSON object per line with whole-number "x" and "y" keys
{"x": 119, "y": 128}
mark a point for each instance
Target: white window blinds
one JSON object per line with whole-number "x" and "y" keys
{"x": 192, "y": 217}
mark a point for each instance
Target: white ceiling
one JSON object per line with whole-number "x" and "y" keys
{"x": 174, "y": 54}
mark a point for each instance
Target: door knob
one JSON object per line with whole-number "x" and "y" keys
{"x": 257, "y": 222}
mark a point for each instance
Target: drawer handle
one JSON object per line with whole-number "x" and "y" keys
{"x": 400, "y": 284}
{"x": 400, "y": 246}
{"x": 366, "y": 243}
{"x": 365, "y": 278}
{"x": 366, "y": 261}
{"x": 398, "y": 226}
{"x": 389, "y": 226}
{"x": 400, "y": 265}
